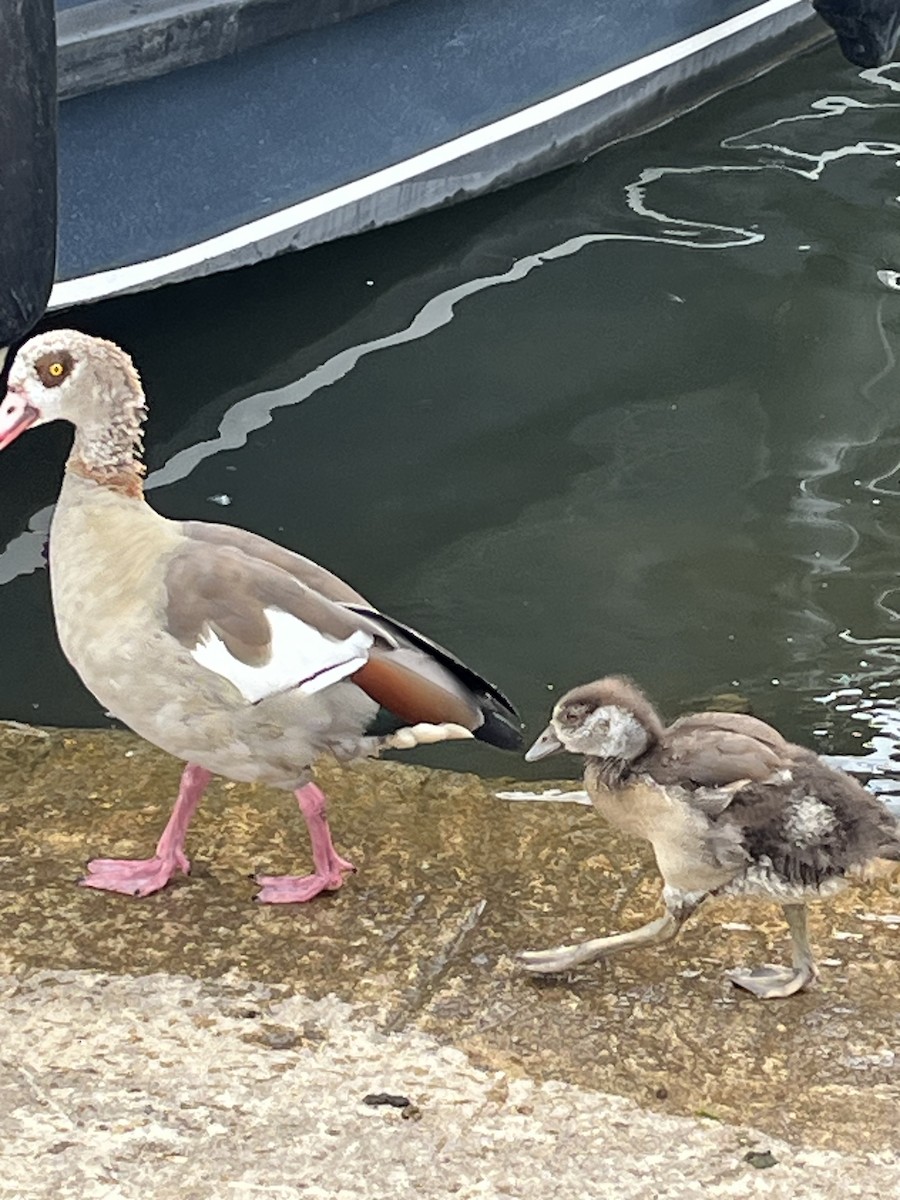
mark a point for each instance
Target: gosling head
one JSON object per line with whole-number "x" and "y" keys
{"x": 608, "y": 719}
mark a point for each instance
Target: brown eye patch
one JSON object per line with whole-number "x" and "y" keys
{"x": 52, "y": 369}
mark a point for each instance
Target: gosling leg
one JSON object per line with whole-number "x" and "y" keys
{"x": 679, "y": 906}
{"x": 773, "y": 983}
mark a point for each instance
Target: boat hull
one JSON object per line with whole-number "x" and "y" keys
{"x": 368, "y": 121}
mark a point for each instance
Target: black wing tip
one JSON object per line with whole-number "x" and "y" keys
{"x": 496, "y": 730}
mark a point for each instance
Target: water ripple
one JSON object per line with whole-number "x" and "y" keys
{"x": 23, "y": 554}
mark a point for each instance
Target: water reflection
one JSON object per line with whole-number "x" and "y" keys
{"x": 641, "y": 416}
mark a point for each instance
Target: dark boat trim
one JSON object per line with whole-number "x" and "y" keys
{"x": 525, "y": 143}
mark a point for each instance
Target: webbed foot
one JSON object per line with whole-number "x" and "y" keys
{"x": 297, "y": 889}
{"x": 134, "y": 877}
{"x": 773, "y": 983}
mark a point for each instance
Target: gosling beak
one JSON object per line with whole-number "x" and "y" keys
{"x": 16, "y": 414}
{"x": 548, "y": 743}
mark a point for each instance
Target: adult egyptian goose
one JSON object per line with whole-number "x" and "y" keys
{"x": 730, "y": 808}
{"x": 231, "y": 653}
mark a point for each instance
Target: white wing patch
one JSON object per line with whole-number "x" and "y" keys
{"x": 302, "y": 658}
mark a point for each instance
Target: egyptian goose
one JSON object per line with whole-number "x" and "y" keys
{"x": 233, "y": 654}
{"x": 730, "y": 808}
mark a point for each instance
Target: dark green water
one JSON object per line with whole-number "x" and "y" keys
{"x": 642, "y": 415}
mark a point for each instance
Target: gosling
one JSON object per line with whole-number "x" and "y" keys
{"x": 730, "y": 808}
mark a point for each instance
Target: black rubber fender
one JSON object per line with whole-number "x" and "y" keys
{"x": 27, "y": 163}
{"x": 867, "y": 30}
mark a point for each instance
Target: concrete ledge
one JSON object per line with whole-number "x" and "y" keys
{"x": 419, "y": 944}
{"x": 165, "y": 1086}
{"x": 108, "y": 42}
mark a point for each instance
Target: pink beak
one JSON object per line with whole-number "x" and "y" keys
{"x": 16, "y": 414}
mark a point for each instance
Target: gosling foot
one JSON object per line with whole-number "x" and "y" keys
{"x": 773, "y": 983}
{"x": 549, "y": 962}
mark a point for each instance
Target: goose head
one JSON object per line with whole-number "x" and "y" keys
{"x": 66, "y": 375}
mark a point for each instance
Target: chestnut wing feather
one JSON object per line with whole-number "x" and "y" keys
{"x": 465, "y": 673}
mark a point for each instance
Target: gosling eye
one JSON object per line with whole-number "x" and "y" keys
{"x": 574, "y": 714}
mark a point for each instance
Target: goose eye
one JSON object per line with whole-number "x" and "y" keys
{"x": 52, "y": 369}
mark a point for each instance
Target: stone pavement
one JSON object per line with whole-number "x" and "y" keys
{"x": 194, "y": 1044}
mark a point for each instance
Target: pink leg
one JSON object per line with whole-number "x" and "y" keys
{"x": 328, "y": 876}
{"x": 140, "y": 877}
